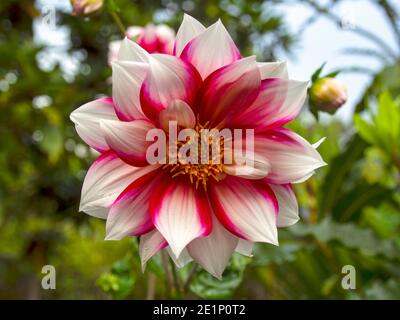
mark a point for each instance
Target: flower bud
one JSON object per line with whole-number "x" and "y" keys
{"x": 85, "y": 7}
{"x": 328, "y": 94}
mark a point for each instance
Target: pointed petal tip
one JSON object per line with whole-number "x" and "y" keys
{"x": 319, "y": 142}
{"x": 143, "y": 265}
{"x": 109, "y": 237}
{"x": 176, "y": 250}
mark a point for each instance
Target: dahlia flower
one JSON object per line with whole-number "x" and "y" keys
{"x": 154, "y": 39}
{"x": 202, "y": 212}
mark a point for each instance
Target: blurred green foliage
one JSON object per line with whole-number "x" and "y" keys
{"x": 350, "y": 210}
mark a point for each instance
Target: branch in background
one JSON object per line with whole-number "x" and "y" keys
{"x": 151, "y": 286}
{"x": 358, "y": 69}
{"x": 393, "y": 18}
{"x": 358, "y": 30}
{"x": 370, "y": 53}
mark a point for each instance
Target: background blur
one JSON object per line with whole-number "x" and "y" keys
{"x": 52, "y": 62}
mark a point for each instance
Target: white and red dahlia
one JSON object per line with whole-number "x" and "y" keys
{"x": 201, "y": 211}
{"x": 154, "y": 39}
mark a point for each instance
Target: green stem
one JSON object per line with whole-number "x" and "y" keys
{"x": 118, "y": 22}
{"x": 190, "y": 277}
{"x": 168, "y": 274}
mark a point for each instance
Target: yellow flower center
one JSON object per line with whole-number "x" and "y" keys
{"x": 199, "y": 172}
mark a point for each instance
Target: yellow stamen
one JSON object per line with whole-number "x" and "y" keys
{"x": 200, "y": 172}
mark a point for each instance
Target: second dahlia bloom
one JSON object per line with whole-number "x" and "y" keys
{"x": 154, "y": 39}
{"x": 200, "y": 212}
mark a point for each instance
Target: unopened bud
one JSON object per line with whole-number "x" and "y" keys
{"x": 328, "y": 94}
{"x": 85, "y": 7}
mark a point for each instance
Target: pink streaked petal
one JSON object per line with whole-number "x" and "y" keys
{"x": 189, "y": 29}
{"x": 87, "y": 121}
{"x": 131, "y": 51}
{"x": 107, "y": 177}
{"x": 150, "y": 244}
{"x": 247, "y": 208}
{"x": 128, "y": 139}
{"x": 129, "y": 214}
{"x": 169, "y": 78}
{"x": 178, "y": 111}
{"x": 214, "y": 251}
{"x": 229, "y": 90}
{"x": 180, "y": 212}
{"x": 127, "y": 79}
{"x": 211, "y": 50}
{"x": 292, "y": 158}
{"x": 288, "y": 207}
{"x": 273, "y": 69}
{"x": 280, "y": 101}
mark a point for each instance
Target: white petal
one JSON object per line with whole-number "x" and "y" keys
{"x": 87, "y": 122}
{"x": 131, "y": 51}
{"x": 150, "y": 244}
{"x": 288, "y": 207}
{"x": 127, "y": 78}
{"x": 214, "y": 251}
{"x": 113, "y": 49}
{"x": 248, "y": 165}
{"x": 107, "y": 177}
{"x": 273, "y": 70}
{"x": 182, "y": 260}
{"x": 318, "y": 143}
{"x": 189, "y": 29}
{"x": 245, "y": 247}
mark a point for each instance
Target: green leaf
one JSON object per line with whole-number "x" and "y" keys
{"x": 313, "y": 109}
{"x": 317, "y": 72}
{"x": 388, "y": 119}
{"x": 379, "y": 290}
{"x": 265, "y": 254}
{"x": 120, "y": 280}
{"x": 350, "y": 205}
{"x": 332, "y": 74}
{"x": 349, "y": 235}
{"x": 338, "y": 174}
{"x": 365, "y": 130}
